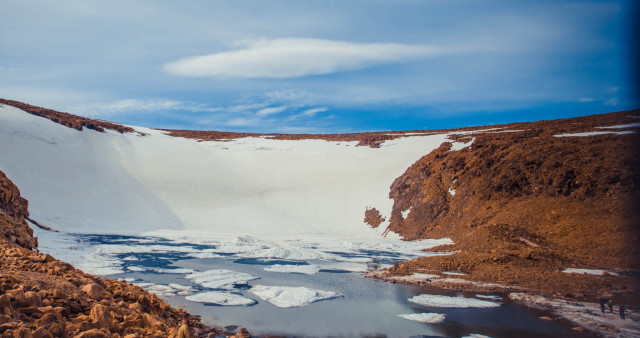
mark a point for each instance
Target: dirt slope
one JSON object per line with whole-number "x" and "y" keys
{"x": 522, "y": 206}
{"x": 41, "y": 296}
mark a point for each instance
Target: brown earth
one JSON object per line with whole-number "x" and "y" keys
{"x": 527, "y": 205}
{"x": 41, "y": 296}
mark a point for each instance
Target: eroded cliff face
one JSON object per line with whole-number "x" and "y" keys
{"x": 41, "y": 296}
{"x": 522, "y": 205}
{"x": 13, "y": 214}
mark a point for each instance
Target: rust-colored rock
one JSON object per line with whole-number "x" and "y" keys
{"x": 95, "y": 291}
{"x": 522, "y": 206}
{"x": 93, "y": 333}
{"x": 373, "y": 217}
{"x": 242, "y": 333}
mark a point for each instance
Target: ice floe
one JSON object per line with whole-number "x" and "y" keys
{"x": 431, "y": 318}
{"x": 220, "y": 279}
{"x": 289, "y": 296}
{"x": 289, "y": 268}
{"x": 451, "y": 302}
{"x": 221, "y": 298}
{"x": 136, "y": 268}
{"x": 174, "y": 271}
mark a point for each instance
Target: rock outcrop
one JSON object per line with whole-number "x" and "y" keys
{"x": 522, "y": 205}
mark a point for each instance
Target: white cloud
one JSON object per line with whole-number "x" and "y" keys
{"x": 137, "y": 106}
{"x": 312, "y": 112}
{"x": 289, "y": 58}
{"x": 269, "y": 111}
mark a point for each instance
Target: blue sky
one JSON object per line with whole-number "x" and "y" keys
{"x": 318, "y": 66}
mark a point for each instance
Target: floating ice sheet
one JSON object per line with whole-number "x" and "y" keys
{"x": 451, "y": 302}
{"x": 221, "y": 298}
{"x": 288, "y": 296}
{"x": 425, "y": 317}
{"x": 170, "y": 290}
{"x": 175, "y": 271}
{"x": 220, "y": 279}
{"x": 289, "y": 268}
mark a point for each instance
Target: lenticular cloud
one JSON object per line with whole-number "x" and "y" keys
{"x": 287, "y": 58}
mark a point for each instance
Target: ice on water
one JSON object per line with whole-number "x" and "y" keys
{"x": 451, "y": 302}
{"x": 288, "y": 296}
{"x": 425, "y": 317}
{"x": 220, "y": 278}
{"x": 289, "y": 268}
{"x": 221, "y": 298}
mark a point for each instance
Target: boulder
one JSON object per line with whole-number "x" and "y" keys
{"x": 95, "y": 291}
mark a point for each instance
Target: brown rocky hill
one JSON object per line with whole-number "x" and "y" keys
{"x": 41, "y": 296}
{"x": 523, "y": 205}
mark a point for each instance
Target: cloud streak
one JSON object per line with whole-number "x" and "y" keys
{"x": 270, "y": 111}
{"x": 297, "y": 57}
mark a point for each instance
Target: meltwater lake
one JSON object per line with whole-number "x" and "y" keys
{"x": 294, "y": 287}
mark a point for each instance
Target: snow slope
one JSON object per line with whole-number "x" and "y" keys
{"x": 86, "y": 181}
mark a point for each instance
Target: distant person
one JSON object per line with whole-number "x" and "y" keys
{"x": 184, "y": 331}
{"x": 610, "y": 305}
{"x": 622, "y": 311}
{"x": 602, "y": 301}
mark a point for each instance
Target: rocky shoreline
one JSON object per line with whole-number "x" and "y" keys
{"x": 42, "y": 297}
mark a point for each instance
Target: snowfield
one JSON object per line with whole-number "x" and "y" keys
{"x": 92, "y": 182}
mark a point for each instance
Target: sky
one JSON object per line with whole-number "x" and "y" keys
{"x": 320, "y": 66}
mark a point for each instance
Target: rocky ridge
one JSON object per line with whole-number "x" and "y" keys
{"x": 522, "y": 204}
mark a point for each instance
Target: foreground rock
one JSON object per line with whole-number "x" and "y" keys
{"x": 41, "y": 296}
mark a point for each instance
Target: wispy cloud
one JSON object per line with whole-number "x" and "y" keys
{"x": 138, "y": 106}
{"x": 313, "y": 111}
{"x": 270, "y": 111}
{"x": 296, "y": 57}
